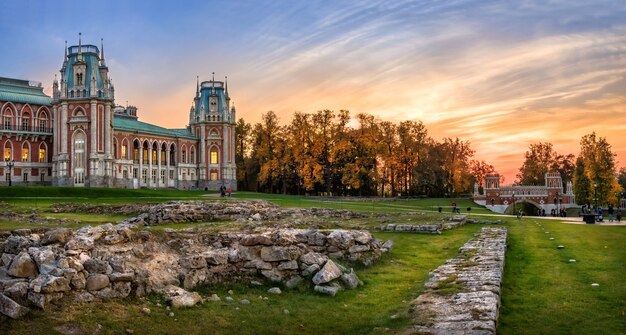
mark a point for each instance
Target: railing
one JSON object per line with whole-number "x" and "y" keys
{"x": 26, "y": 129}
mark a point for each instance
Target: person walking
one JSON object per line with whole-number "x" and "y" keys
{"x": 611, "y": 211}
{"x": 619, "y": 215}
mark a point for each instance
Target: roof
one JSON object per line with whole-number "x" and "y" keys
{"x": 23, "y": 91}
{"x": 132, "y": 125}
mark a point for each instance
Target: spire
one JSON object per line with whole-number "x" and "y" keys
{"x": 80, "y": 47}
{"x": 102, "y": 52}
{"x": 65, "y": 50}
{"x": 213, "y": 83}
{"x": 226, "y": 85}
{"x": 197, "y": 86}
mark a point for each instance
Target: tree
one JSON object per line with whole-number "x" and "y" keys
{"x": 621, "y": 179}
{"x": 242, "y": 146}
{"x": 267, "y": 133}
{"x": 565, "y": 165}
{"x": 582, "y": 185}
{"x": 457, "y": 154}
{"x": 479, "y": 170}
{"x": 600, "y": 168}
{"x": 538, "y": 161}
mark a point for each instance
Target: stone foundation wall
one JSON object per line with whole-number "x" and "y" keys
{"x": 432, "y": 228}
{"x": 462, "y": 296}
{"x": 110, "y": 261}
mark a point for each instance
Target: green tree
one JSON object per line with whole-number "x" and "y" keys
{"x": 242, "y": 147}
{"x": 600, "y": 168}
{"x": 582, "y": 185}
{"x": 538, "y": 161}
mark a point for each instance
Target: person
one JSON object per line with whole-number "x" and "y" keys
{"x": 230, "y": 191}
{"x": 520, "y": 213}
{"x": 222, "y": 190}
{"x": 618, "y": 214}
{"x": 610, "y": 211}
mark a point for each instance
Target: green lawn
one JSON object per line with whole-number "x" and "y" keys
{"x": 543, "y": 293}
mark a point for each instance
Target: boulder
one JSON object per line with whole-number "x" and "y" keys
{"x": 78, "y": 281}
{"x": 313, "y": 258}
{"x": 6, "y": 259}
{"x": 45, "y": 258}
{"x": 17, "y": 291}
{"x": 340, "y": 239}
{"x": 311, "y": 269}
{"x": 56, "y": 284}
{"x": 59, "y": 235}
{"x": 11, "y": 308}
{"x": 121, "y": 276}
{"x": 97, "y": 281}
{"x": 179, "y": 297}
{"x": 80, "y": 243}
{"x": 329, "y": 272}
{"x": 251, "y": 240}
{"x": 327, "y": 290}
{"x": 316, "y": 238}
{"x": 22, "y": 266}
{"x": 290, "y": 265}
{"x": 192, "y": 262}
{"x": 216, "y": 257}
{"x": 274, "y": 275}
{"x": 15, "y": 244}
{"x": 293, "y": 282}
{"x": 275, "y": 254}
{"x": 97, "y": 266}
{"x": 274, "y": 290}
{"x": 350, "y": 280}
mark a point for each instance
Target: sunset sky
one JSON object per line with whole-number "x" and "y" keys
{"x": 501, "y": 74}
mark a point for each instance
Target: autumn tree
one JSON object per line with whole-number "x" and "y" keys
{"x": 600, "y": 168}
{"x": 243, "y": 134}
{"x": 266, "y": 134}
{"x": 538, "y": 161}
{"x": 621, "y": 179}
{"x": 457, "y": 154}
{"x": 582, "y": 185}
{"x": 479, "y": 170}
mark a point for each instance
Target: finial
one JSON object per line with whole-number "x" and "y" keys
{"x": 197, "y": 86}
{"x": 226, "y": 84}
{"x": 65, "y": 50}
{"x": 102, "y": 51}
{"x": 213, "y": 83}
{"x": 79, "y": 40}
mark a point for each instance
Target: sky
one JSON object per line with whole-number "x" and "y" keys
{"x": 500, "y": 74}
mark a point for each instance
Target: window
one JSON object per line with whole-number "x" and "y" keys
{"x": 79, "y": 79}
{"x": 136, "y": 155}
{"x": 145, "y": 155}
{"x": 213, "y": 175}
{"x": 42, "y": 155}
{"x": 125, "y": 174}
{"x": 145, "y": 176}
{"x": 171, "y": 174}
{"x": 79, "y": 158}
{"x": 124, "y": 153}
{"x": 192, "y": 156}
{"x": 42, "y": 126}
{"x": 163, "y": 160}
{"x": 184, "y": 156}
{"x": 135, "y": 173}
{"x": 25, "y": 153}
{"x": 25, "y": 178}
{"x": 214, "y": 159}
{"x": 7, "y": 123}
{"x": 154, "y": 156}
{"x": 163, "y": 176}
{"x": 184, "y": 176}
{"x": 154, "y": 176}
{"x": 8, "y": 155}
{"x": 42, "y": 177}
{"x": 25, "y": 123}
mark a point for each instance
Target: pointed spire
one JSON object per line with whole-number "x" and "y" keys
{"x": 213, "y": 83}
{"x": 226, "y": 85}
{"x": 102, "y": 63}
{"x": 197, "y": 86}
{"x": 65, "y": 50}
{"x": 80, "y": 47}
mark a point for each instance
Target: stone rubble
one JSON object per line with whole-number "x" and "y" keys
{"x": 117, "y": 261}
{"x": 462, "y": 296}
{"x": 433, "y": 228}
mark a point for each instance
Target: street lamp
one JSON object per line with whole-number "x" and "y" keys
{"x": 595, "y": 196}
{"x": 10, "y": 164}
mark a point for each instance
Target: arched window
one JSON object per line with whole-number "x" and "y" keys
{"x": 43, "y": 158}
{"x": 192, "y": 155}
{"x": 25, "y": 152}
{"x": 78, "y": 161}
{"x": 25, "y": 121}
{"x": 136, "y": 151}
{"x": 183, "y": 155}
{"x": 125, "y": 149}
{"x": 144, "y": 153}
{"x": 172, "y": 155}
{"x": 115, "y": 148}
{"x": 8, "y": 151}
{"x": 163, "y": 154}
{"x": 43, "y": 121}
{"x": 154, "y": 153}
{"x": 8, "y": 118}
{"x": 214, "y": 156}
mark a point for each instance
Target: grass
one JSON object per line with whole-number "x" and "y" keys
{"x": 543, "y": 293}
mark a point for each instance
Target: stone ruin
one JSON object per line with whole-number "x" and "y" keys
{"x": 462, "y": 296}
{"x": 117, "y": 261}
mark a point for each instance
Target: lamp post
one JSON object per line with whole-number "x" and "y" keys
{"x": 595, "y": 196}
{"x": 10, "y": 164}
{"x": 558, "y": 205}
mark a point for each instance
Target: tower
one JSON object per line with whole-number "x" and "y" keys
{"x": 82, "y": 106}
{"x": 212, "y": 120}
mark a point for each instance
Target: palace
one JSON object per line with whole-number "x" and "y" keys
{"x": 80, "y": 137}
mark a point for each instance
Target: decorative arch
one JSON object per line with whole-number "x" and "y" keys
{"x": 43, "y": 152}
{"x": 125, "y": 148}
{"x": 173, "y": 154}
{"x": 144, "y": 151}
{"x": 163, "y": 158}
{"x": 25, "y": 157}
{"x": 154, "y": 152}
{"x": 136, "y": 150}
{"x": 183, "y": 154}
{"x": 42, "y": 119}
{"x": 214, "y": 155}
{"x": 79, "y": 111}
{"x": 7, "y": 150}
{"x": 9, "y": 112}
{"x": 79, "y": 157}
{"x": 115, "y": 151}
{"x": 192, "y": 155}
{"x": 214, "y": 132}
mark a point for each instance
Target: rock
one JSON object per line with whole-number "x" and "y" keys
{"x": 6, "y": 259}
{"x": 387, "y": 245}
{"x": 251, "y": 240}
{"x": 256, "y": 283}
{"x": 229, "y": 299}
{"x": 17, "y": 291}
{"x": 258, "y": 264}
{"x": 15, "y": 244}
{"x": 313, "y": 258}
{"x": 41, "y": 300}
{"x": 286, "y": 311}
{"x": 329, "y": 272}
{"x": 97, "y": 281}
{"x": 560, "y": 247}
{"x": 316, "y": 238}
{"x": 216, "y": 257}
{"x": 350, "y": 280}
{"x": 22, "y": 266}
{"x": 310, "y": 270}
{"x": 327, "y": 290}
{"x": 193, "y": 262}
{"x": 274, "y": 290}
{"x": 97, "y": 266}
{"x": 146, "y": 310}
{"x": 341, "y": 239}
{"x": 362, "y": 237}
{"x": 84, "y": 297}
{"x": 358, "y": 248}
{"x": 117, "y": 276}
{"x": 595, "y": 285}
{"x": 256, "y": 217}
{"x": 56, "y": 284}
{"x": 572, "y": 261}
{"x": 11, "y": 308}
{"x": 78, "y": 281}
{"x": 44, "y": 258}
{"x": 273, "y": 275}
{"x": 293, "y": 282}
{"x": 551, "y": 238}
{"x": 80, "y": 243}
{"x": 244, "y": 302}
{"x": 290, "y": 265}
{"x": 179, "y": 297}
{"x": 214, "y": 297}
{"x": 171, "y": 314}
{"x": 276, "y": 253}
{"x": 59, "y": 235}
